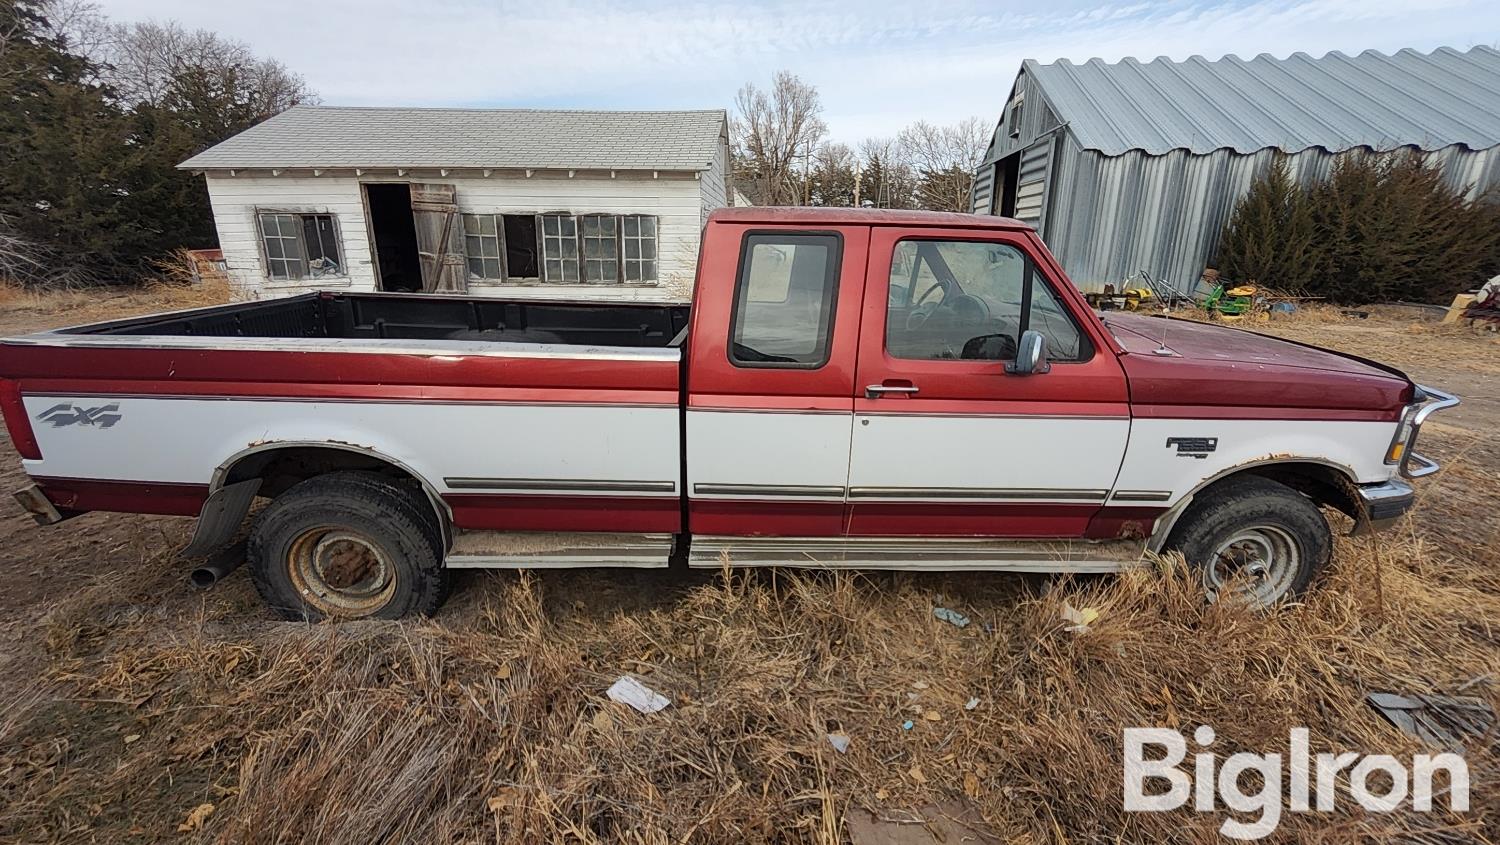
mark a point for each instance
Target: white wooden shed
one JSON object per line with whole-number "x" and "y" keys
{"x": 547, "y": 204}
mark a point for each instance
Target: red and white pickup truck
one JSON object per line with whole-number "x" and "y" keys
{"x": 850, "y": 389}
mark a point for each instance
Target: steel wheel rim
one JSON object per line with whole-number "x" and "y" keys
{"x": 1257, "y": 564}
{"x": 340, "y": 572}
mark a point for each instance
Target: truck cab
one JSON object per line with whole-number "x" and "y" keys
{"x": 850, "y": 388}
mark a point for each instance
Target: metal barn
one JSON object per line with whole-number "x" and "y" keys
{"x": 1137, "y": 166}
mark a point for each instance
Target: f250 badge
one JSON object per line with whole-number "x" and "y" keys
{"x": 1193, "y": 447}
{"x": 65, "y": 414}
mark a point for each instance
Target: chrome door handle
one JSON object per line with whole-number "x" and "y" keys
{"x": 875, "y": 391}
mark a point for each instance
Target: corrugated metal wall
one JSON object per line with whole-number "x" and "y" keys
{"x": 1111, "y": 216}
{"x": 984, "y": 189}
{"x": 1107, "y": 217}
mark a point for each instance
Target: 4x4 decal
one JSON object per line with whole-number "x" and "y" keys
{"x": 66, "y": 414}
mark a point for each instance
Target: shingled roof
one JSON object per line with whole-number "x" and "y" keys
{"x": 1428, "y": 100}
{"x": 334, "y": 137}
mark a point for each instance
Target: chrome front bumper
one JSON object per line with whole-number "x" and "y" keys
{"x": 1383, "y": 504}
{"x": 1412, "y": 464}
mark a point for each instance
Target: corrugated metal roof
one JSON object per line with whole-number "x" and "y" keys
{"x": 332, "y": 137}
{"x": 1429, "y": 100}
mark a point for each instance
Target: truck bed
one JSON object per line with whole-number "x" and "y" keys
{"x": 417, "y": 317}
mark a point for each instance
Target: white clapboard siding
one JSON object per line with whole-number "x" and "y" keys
{"x": 677, "y": 200}
{"x": 715, "y": 180}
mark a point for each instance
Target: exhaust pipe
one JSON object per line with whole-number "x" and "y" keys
{"x": 219, "y": 564}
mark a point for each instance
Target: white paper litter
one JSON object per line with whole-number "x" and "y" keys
{"x": 628, "y": 690}
{"x": 840, "y": 742}
{"x": 973, "y": 702}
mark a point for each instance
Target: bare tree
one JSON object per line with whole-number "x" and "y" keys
{"x": 78, "y": 25}
{"x": 945, "y": 158}
{"x": 889, "y": 179}
{"x": 143, "y": 61}
{"x": 771, "y": 131}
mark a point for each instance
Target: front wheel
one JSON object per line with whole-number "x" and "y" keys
{"x": 348, "y": 545}
{"x": 1254, "y": 540}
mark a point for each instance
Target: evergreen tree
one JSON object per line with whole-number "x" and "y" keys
{"x": 1270, "y": 235}
{"x": 1390, "y": 229}
{"x": 90, "y": 177}
{"x": 65, "y": 143}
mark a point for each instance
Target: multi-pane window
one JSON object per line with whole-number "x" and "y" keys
{"x": 639, "y": 247}
{"x": 300, "y": 246}
{"x": 559, "y": 248}
{"x": 482, "y": 241}
{"x": 601, "y": 248}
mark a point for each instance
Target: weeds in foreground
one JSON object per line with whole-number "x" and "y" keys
{"x": 490, "y": 724}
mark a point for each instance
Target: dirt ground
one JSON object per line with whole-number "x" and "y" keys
{"x": 133, "y": 709}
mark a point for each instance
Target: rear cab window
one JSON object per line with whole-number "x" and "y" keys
{"x": 784, "y": 300}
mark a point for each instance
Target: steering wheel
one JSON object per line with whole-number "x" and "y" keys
{"x": 926, "y": 293}
{"x": 920, "y": 311}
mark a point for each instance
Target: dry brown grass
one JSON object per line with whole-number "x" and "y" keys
{"x": 170, "y": 289}
{"x": 491, "y": 724}
{"x": 129, "y": 702}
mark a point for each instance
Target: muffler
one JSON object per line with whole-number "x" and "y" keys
{"x": 218, "y": 564}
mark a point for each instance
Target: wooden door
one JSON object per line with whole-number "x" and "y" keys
{"x": 440, "y": 237}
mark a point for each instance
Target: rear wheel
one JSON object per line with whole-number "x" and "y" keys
{"x": 348, "y": 545}
{"x": 1254, "y": 540}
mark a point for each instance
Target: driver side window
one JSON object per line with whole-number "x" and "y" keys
{"x": 971, "y": 300}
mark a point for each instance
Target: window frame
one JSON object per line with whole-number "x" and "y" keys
{"x": 640, "y": 240}
{"x": 831, "y": 279}
{"x": 300, "y": 238}
{"x": 498, "y": 222}
{"x": 1013, "y": 118}
{"x": 577, "y": 239}
{"x": 617, "y": 225}
{"x": 1033, "y": 275}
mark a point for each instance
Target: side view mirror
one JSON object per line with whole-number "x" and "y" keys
{"x": 1031, "y": 355}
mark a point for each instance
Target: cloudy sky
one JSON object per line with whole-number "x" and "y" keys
{"x": 878, "y": 64}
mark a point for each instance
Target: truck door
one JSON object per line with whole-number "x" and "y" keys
{"x": 945, "y": 441}
{"x": 771, "y": 379}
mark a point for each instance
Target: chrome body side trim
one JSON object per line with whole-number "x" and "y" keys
{"x": 917, "y": 553}
{"x": 993, "y": 493}
{"x": 1141, "y": 496}
{"x": 769, "y": 490}
{"x": 567, "y": 485}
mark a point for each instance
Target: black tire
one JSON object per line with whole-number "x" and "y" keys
{"x": 348, "y": 545}
{"x": 1241, "y": 524}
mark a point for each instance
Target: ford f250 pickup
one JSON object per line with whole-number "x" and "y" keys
{"x": 849, "y": 388}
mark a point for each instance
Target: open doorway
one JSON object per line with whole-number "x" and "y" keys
{"x": 1007, "y": 173}
{"x": 395, "y": 236}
